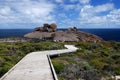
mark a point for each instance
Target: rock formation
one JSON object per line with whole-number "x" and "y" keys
{"x": 71, "y": 34}
{"x": 72, "y": 29}
{"x": 47, "y": 28}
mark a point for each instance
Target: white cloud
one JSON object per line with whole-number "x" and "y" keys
{"x": 104, "y": 7}
{"x": 73, "y": 7}
{"x": 76, "y": 12}
{"x": 93, "y": 10}
{"x": 93, "y": 14}
{"x": 62, "y": 15}
{"x": 84, "y": 1}
{"x": 73, "y": 1}
{"x": 101, "y": 16}
{"x": 69, "y": 7}
{"x": 27, "y": 11}
{"x": 5, "y": 10}
{"x": 60, "y": 1}
{"x": 114, "y": 16}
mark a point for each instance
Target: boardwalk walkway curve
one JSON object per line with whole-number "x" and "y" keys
{"x": 36, "y": 66}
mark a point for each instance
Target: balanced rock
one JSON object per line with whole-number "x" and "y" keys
{"x": 54, "y": 27}
{"x": 39, "y": 29}
{"x": 47, "y": 28}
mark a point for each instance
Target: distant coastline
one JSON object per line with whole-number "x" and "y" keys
{"x": 106, "y": 34}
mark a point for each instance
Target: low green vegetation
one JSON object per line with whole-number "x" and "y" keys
{"x": 11, "y": 53}
{"x": 92, "y": 61}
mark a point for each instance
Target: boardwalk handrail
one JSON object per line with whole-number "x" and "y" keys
{"x": 52, "y": 68}
{"x": 51, "y": 65}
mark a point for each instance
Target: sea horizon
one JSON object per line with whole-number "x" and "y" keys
{"x": 106, "y": 34}
{"x": 60, "y": 28}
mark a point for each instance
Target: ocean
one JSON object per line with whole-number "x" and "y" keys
{"x": 106, "y": 34}
{"x": 4, "y": 33}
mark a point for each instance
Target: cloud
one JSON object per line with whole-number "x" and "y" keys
{"x": 26, "y": 11}
{"x": 59, "y": 1}
{"x": 62, "y": 15}
{"x": 94, "y": 10}
{"x": 104, "y": 7}
{"x": 84, "y": 1}
{"x": 5, "y": 10}
{"x": 100, "y": 16}
{"x": 114, "y": 16}
{"x": 69, "y": 7}
{"x": 73, "y": 1}
{"x": 94, "y": 14}
{"x": 63, "y": 12}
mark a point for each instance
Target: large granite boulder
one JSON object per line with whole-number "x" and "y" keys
{"x": 47, "y": 28}
{"x": 54, "y": 27}
{"x": 39, "y": 29}
{"x": 72, "y": 29}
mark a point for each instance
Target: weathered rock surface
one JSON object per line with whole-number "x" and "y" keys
{"x": 71, "y": 34}
{"x": 38, "y": 35}
{"x": 47, "y": 28}
{"x": 62, "y": 36}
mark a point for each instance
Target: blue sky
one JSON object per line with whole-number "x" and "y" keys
{"x": 65, "y": 13}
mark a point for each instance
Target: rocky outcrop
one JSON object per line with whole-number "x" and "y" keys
{"x": 38, "y": 35}
{"x": 47, "y": 28}
{"x": 71, "y": 34}
{"x": 62, "y": 36}
{"x": 72, "y": 29}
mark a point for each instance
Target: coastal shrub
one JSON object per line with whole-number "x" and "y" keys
{"x": 104, "y": 52}
{"x": 92, "y": 61}
{"x": 116, "y": 46}
{"x": 117, "y": 71}
{"x": 115, "y": 56}
{"x": 5, "y": 67}
{"x": 83, "y": 45}
{"x": 54, "y": 46}
{"x": 1, "y": 60}
{"x": 80, "y": 50}
{"x": 61, "y": 78}
{"x": 59, "y": 67}
{"x": 97, "y": 63}
{"x": 11, "y": 53}
{"x": 87, "y": 66}
{"x": 94, "y": 46}
{"x": 4, "y": 51}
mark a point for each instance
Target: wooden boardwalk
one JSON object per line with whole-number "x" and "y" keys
{"x": 35, "y": 66}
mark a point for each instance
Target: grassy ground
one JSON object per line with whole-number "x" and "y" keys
{"x": 11, "y": 53}
{"x": 93, "y": 61}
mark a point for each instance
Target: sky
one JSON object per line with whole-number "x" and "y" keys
{"x": 28, "y": 14}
